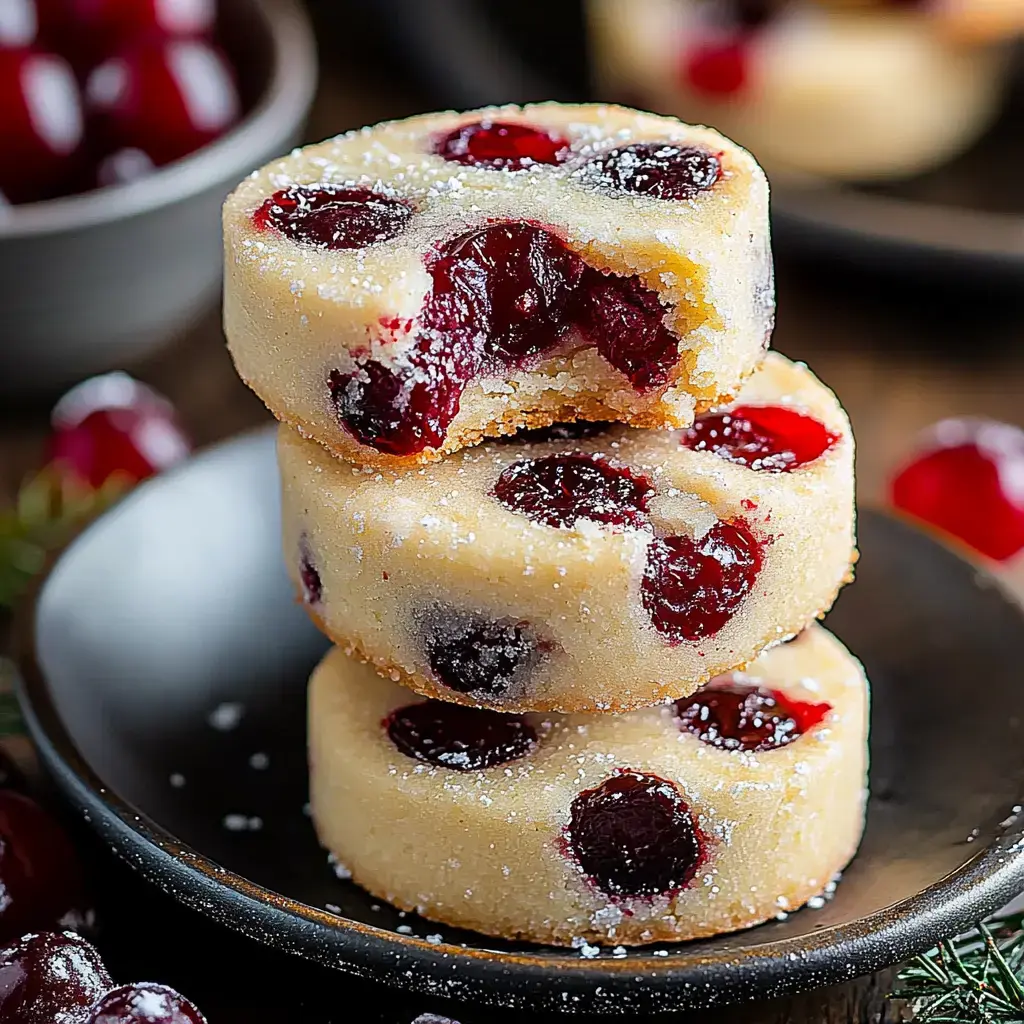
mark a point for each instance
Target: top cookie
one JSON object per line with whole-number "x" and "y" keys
{"x": 403, "y": 291}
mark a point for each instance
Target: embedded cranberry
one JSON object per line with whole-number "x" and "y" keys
{"x": 115, "y": 426}
{"x": 40, "y": 878}
{"x": 312, "y": 588}
{"x": 768, "y": 437}
{"x": 19, "y": 24}
{"x": 732, "y": 715}
{"x": 333, "y": 216}
{"x": 50, "y": 978}
{"x": 41, "y": 124}
{"x": 165, "y": 98}
{"x": 454, "y": 736}
{"x": 969, "y": 482}
{"x": 501, "y": 144}
{"x": 692, "y": 588}
{"x": 719, "y": 68}
{"x": 575, "y": 431}
{"x": 560, "y": 489}
{"x": 634, "y": 835}
{"x": 657, "y": 169}
{"x": 144, "y": 1003}
{"x": 478, "y": 656}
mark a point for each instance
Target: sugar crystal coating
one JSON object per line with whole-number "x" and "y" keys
{"x": 655, "y": 169}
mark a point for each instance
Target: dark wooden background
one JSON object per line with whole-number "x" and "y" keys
{"x": 900, "y": 351}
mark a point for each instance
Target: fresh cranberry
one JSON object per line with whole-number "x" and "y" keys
{"x": 502, "y": 297}
{"x": 40, "y": 878}
{"x": 692, "y": 588}
{"x": 115, "y": 426}
{"x": 502, "y": 144}
{"x": 969, "y": 482}
{"x": 50, "y": 978}
{"x": 479, "y": 656}
{"x": 657, "y": 169}
{"x": 144, "y": 1003}
{"x": 19, "y": 24}
{"x": 41, "y": 125}
{"x": 634, "y": 835}
{"x": 732, "y": 715}
{"x": 454, "y": 736}
{"x": 560, "y": 489}
{"x": 769, "y": 437}
{"x": 165, "y": 98}
{"x": 720, "y": 68}
{"x": 333, "y": 216}
{"x": 312, "y": 588}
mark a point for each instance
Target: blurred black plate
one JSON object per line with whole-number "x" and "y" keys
{"x": 172, "y": 616}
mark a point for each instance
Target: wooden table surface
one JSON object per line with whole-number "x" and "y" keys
{"x": 899, "y": 355}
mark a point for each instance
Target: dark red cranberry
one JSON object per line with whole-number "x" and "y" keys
{"x": 333, "y": 216}
{"x": 692, "y": 588}
{"x": 634, "y": 835}
{"x": 115, "y": 426}
{"x": 312, "y": 588}
{"x": 19, "y": 24}
{"x": 454, "y": 736}
{"x": 559, "y": 489}
{"x": 575, "y": 431}
{"x": 164, "y": 98}
{"x": 41, "y": 125}
{"x": 144, "y": 1003}
{"x": 40, "y": 877}
{"x": 50, "y": 978}
{"x": 732, "y": 715}
{"x": 969, "y": 482}
{"x": 769, "y": 437}
{"x": 502, "y": 144}
{"x": 479, "y": 656}
{"x": 657, "y": 169}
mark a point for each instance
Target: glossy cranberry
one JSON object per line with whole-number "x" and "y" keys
{"x": 969, "y": 482}
{"x": 19, "y": 24}
{"x": 560, "y": 489}
{"x": 479, "y": 656}
{"x": 692, "y": 588}
{"x": 41, "y": 125}
{"x": 634, "y": 835}
{"x": 164, "y": 98}
{"x": 333, "y": 216}
{"x": 656, "y": 169}
{"x": 767, "y": 437}
{"x": 312, "y": 587}
{"x": 50, "y": 978}
{"x": 144, "y": 1003}
{"x": 502, "y": 296}
{"x": 40, "y": 877}
{"x": 454, "y": 736}
{"x": 732, "y": 715}
{"x": 504, "y": 145}
{"x": 112, "y": 426}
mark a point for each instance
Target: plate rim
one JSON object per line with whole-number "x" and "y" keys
{"x": 524, "y": 980}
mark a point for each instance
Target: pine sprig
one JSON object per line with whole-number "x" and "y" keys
{"x": 972, "y": 979}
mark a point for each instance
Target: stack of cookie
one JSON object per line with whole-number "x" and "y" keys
{"x": 538, "y": 470}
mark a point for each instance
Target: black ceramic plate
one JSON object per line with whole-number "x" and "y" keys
{"x": 166, "y": 693}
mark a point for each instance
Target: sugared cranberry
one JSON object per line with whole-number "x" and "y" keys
{"x": 40, "y": 878}
{"x": 769, "y": 437}
{"x": 144, "y": 1003}
{"x": 41, "y": 125}
{"x": 50, "y": 978}
{"x": 657, "y": 169}
{"x": 454, "y": 736}
{"x": 692, "y": 588}
{"x": 19, "y": 24}
{"x": 479, "y": 656}
{"x": 333, "y": 216}
{"x": 115, "y": 426}
{"x": 634, "y": 835}
{"x": 732, "y": 715}
{"x": 560, "y": 489}
{"x": 164, "y": 98}
{"x": 502, "y": 296}
{"x": 969, "y": 482}
{"x": 501, "y": 144}
{"x": 312, "y": 587}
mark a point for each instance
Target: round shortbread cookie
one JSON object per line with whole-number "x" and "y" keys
{"x": 871, "y": 92}
{"x": 402, "y": 291}
{"x": 671, "y": 823}
{"x": 607, "y": 571}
